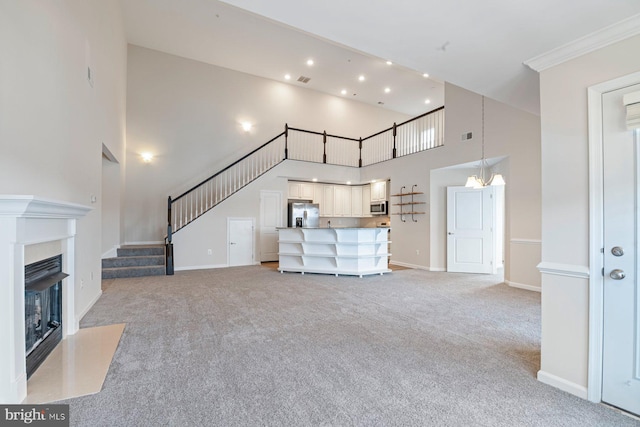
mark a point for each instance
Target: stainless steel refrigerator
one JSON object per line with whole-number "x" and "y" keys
{"x": 304, "y": 215}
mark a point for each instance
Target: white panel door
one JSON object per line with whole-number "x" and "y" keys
{"x": 240, "y": 241}
{"x": 470, "y": 246}
{"x": 621, "y": 325}
{"x": 271, "y": 217}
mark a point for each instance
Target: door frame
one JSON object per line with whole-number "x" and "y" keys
{"x": 596, "y": 229}
{"x": 253, "y": 238}
{"x": 281, "y": 219}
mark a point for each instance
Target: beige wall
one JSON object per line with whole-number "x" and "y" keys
{"x": 565, "y": 207}
{"x": 52, "y": 122}
{"x": 510, "y": 133}
{"x": 188, "y": 114}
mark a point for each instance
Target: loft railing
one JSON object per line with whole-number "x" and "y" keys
{"x": 418, "y": 134}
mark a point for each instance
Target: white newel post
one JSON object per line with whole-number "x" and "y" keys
{"x": 29, "y": 220}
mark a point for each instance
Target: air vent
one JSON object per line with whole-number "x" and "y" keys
{"x": 304, "y": 79}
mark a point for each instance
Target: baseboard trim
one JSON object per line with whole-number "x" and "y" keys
{"x": 437, "y": 269}
{"x": 111, "y": 253}
{"x": 523, "y": 286}
{"x": 200, "y": 267}
{"x": 406, "y": 264}
{"x": 562, "y": 384}
{"x": 89, "y": 307}
{"x": 150, "y": 242}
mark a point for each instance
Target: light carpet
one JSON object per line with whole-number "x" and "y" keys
{"x": 249, "y": 346}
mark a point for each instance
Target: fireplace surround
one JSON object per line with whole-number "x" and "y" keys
{"x": 25, "y": 221}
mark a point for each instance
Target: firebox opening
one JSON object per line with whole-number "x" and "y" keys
{"x": 43, "y": 310}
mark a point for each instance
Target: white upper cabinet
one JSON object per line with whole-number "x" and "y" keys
{"x": 326, "y": 207}
{"x": 342, "y": 198}
{"x": 379, "y": 191}
{"x": 301, "y": 190}
{"x": 356, "y": 201}
{"x": 366, "y": 200}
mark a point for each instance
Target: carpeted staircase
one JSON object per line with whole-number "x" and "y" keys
{"x": 135, "y": 261}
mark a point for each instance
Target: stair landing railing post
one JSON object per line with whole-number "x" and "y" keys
{"x": 286, "y": 137}
{"x": 168, "y": 252}
{"x": 360, "y": 159}
{"x": 324, "y": 147}
{"x": 395, "y": 127}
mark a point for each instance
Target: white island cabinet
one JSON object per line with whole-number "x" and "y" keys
{"x": 349, "y": 251}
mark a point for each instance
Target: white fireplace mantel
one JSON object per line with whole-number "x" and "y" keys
{"x": 38, "y": 207}
{"x": 27, "y": 220}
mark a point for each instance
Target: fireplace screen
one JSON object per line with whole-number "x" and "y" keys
{"x": 42, "y": 309}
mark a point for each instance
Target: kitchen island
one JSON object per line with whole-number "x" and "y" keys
{"x": 348, "y": 251}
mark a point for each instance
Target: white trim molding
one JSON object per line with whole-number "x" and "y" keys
{"x": 569, "y": 270}
{"x": 614, "y": 33}
{"x": 406, "y": 264}
{"x": 562, "y": 384}
{"x": 200, "y": 267}
{"x": 149, "y": 242}
{"x": 523, "y": 286}
{"x": 526, "y": 241}
{"x": 38, "y": 207}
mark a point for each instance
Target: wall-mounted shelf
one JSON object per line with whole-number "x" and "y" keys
{"x": 412, "y": 203}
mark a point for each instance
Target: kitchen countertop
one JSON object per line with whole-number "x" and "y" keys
{"x": 331, "y": 228}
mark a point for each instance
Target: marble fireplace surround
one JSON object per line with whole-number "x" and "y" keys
{"x": 24, "y": 221}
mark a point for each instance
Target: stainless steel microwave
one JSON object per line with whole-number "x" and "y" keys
{"x": 378, "y": 208}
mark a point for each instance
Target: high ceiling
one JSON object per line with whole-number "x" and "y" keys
{"x": 479, "y": 45}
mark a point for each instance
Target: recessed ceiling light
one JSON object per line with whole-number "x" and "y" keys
{"x": 315, "y": 180}
{"x": 309, "y": 62}
{"x": 146, "y": 157}
{"x": 387, "y": 89}
{"x": 425, "y": 75}
{"x": 348, "y": 182}
{"x": 373, "y": 180}
{"x": 427, "y": 101}
{"x": 287, "y": 76}
{"x": 361, "y": 78}
{"x": 246, "y": 126}
{"x": 343, "y": 91}
{"x": 389, "y": 63}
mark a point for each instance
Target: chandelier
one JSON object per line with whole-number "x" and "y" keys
{"x": 478, "y": 181}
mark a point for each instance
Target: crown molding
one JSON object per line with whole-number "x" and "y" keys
{"x": 597, "y": 40}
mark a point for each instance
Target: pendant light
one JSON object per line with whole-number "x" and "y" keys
{"x": 478, "y": 181}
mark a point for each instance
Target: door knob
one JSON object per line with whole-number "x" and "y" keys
{"x": 617, "y": 274}
{"x": 450, "y": 233}
{"x": 232, "y": 243}
{"x": 617, "y": 251}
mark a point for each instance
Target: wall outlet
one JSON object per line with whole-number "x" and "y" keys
{"x": 81, "y": 283}
{"x": 91, "y": 275}
{"x": 417, "y": 251}
{"x": 209, "y": 252}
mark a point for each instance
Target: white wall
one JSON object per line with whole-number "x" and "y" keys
{"x": 565, "y": 207}
{"x": 52, "y": 122}
{"x": 188, "y": 114}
